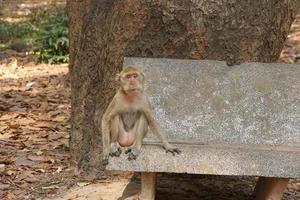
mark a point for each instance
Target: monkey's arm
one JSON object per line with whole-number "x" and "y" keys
{"x": 105, "y": 127}
{"x": 156, "y": 129}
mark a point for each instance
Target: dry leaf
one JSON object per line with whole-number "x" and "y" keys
{"x": 60, "y": 119}
{"x": 35, "y": 158}
{"x": 81, "y": 184}
{"x": 40, "y": 170}
{"x": 30, "y": 84}
{"x": 44, "y": 106}
{"x": 39, "y": 152}
{"x": 8, "y": 116}
{"x": 50, "y": 187}
{"x": 10, "y": 172}
{"x": 13, "y": 126}
{"x": 56, "y": 144}
{"x": 22, "y": 161}
{"x": 5, "y": 160}
{"x": 59, "y": 169}
{"x": 49, "y": 159}
{"x": 54, "y": 113}
{"x": 27, "y": 122}
{"x": 3, "y": 128}
{"x": 33, "y": 128}
{"x": 44, "y": 118}
{"x": 42, "y": 125}
{"x": 56, "y": 136}
{"x": 4, "y": 186}
{"x": 44, "y": 134}
{"x": 2, "y": 168}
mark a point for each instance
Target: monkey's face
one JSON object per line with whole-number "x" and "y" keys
{"x": 132, "y": 82}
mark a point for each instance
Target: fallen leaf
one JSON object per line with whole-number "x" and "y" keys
{"x": 27, "y": 122}
{"x": 31, "y": 179}
{"x": 4, "y": 186}
{"x": 33, "y": 128}
{"x": 40, "y": 170}
{"x": 42, "y": 125}
{"x": 10, "y": 172}
{"x": 60, "y": 119}
{"x": 56, "y": 136}
{"x": 39, "y": 152}
{"x": 44, "y": 118}
{"x": 13, "y": 126}
{"x": 50, "y": 187}
{"x": 2, "y": 168}
{"x": 22, "y": 161}
{"x": 35, "y": 158}
{"x": 8, "y": 116}
{"x": 54, "y": 113}
{"x": 81, "y": 184}
{"x": 30, "y": 84}
{"x": 3, "y": 129}
{"x": 49, "y": 159}
{"x": 56, "y": 144}
{"x": 59, "y": 169}
{"x": 5, "y": 160}
{"x": 44, "y": 107}
{"x": 44, "y": 134}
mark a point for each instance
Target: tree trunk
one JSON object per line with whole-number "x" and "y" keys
{"x": 76, "y": 9}
{"x": 235, "y": 31}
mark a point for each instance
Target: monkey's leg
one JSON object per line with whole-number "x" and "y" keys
{"x": 140, "y": 130}
{"x": 115, "y": 129}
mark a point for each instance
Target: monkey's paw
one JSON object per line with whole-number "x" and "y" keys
{"x": 132, "y": 153}
{"x": 172, "y": 150}
{"x": 105, "y": 160}
{"x": 116, "y": 151}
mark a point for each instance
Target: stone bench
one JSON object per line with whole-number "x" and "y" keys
{"x": 242, "y": 120}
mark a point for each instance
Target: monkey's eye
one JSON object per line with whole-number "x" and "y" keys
{"x": 128, "y": 76}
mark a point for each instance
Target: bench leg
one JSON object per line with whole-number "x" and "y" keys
{"x": 148, "y": 182}
{"x": 270, "y": 188}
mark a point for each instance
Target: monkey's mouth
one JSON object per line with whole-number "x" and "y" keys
{"x": 133, "y": 90}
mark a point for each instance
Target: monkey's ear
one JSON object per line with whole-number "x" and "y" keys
{"x": 117, "y": 78}
{"x": 143, "y": 75}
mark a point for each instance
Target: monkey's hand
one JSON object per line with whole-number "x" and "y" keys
{"x": 132, "y": 153}
{"x": 105, "y": 158}
{"x": 171, "y": 149}
{"x": 115, "y": 150}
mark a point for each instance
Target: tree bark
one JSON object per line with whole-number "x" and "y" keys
{"x": 76, "y": 9}
{"x": 235, "y": 31}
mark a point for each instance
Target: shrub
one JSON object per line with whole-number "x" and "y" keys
{"x": 10, "y": 31}
{"x": 19, "y": 45}
{"x": 45, "y": 33}
{"x": 52, "y": 39}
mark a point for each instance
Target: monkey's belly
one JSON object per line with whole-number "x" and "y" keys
{"x": 126, "y": 139}
{"x": 129, "y": 119}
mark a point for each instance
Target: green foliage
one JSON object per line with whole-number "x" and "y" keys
{"x": 19, "y": 45}
{"x": 52, "y": 39}
{"x": 9, "y": 31}
{"x": 45, "y": 33}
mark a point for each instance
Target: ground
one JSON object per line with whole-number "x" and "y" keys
{"x": 34, "y": 127}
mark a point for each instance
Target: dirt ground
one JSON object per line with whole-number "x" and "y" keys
{"x": 34, "y": 157}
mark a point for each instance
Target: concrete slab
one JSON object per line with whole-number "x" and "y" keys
{"x": 214, "y": 159}
{"x": 253, "y": 106}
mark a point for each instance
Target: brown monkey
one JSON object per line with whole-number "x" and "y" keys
{"x": 128, "y": 116}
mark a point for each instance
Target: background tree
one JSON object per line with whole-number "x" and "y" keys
{"x": 102, "y": 32}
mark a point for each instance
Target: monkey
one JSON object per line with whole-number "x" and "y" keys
{"x": 128, "y": 118}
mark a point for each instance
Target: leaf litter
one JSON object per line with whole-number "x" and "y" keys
{"x": 34, "y": 127}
